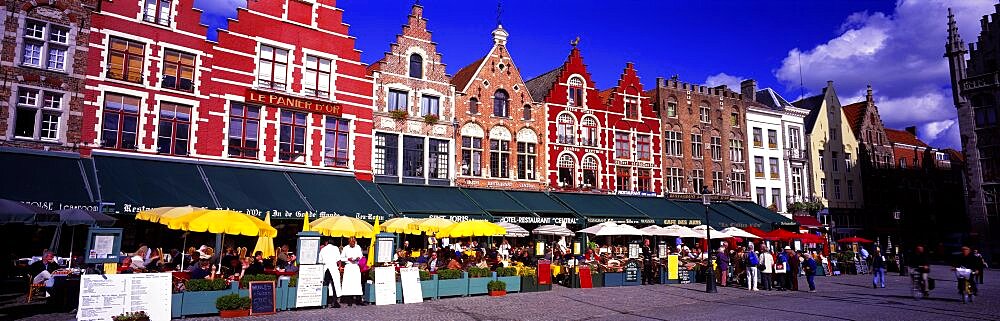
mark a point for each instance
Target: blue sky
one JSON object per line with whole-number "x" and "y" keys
{"x": 895, "y": 46}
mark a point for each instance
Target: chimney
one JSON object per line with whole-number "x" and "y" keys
{"x": 912, "y": 130}
{"x": 868, "y": 96}
{"x": 749, "y": 89}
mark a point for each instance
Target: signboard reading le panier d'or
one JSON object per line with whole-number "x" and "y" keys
{"x": 285, "y": 101}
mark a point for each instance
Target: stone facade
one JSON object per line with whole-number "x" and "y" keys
{"x": 413, "y": 138}
{"x": 44, "y": 60}
{"x": 773, "y": 112}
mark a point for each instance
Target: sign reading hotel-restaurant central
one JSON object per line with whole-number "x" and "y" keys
{"x": 278, "y": 100}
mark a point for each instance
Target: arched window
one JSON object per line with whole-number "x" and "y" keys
{"x": 473, "y": 105}
{"x": 567, "y": 168}
{"x": 565, "y": 128}
{"x": 526, "y": 112}
{"x": 575, "y": 92}
{"x": 501, "y": 103}
{"x": 416, "y": 66}
{"x": 589, "y": 131}
{"x": 589, "y": 171}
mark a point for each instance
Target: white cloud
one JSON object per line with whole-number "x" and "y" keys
{"x": 733, "y": 82}
{"x": 899, "y": 54}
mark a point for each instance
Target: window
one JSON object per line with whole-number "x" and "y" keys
{"x": 316, "y": 81}
{"x": 772, "y": 139}
{"x": 902, "y": 162}
{"x": 437, "y": 158}
{"x": 776, "y": 198}
{"x": 631, "y": 108}
{"x": 589, "y": 131}
{"x": 833, "y": 161}
{"x": 822, "y": 187}
{"x": 847, "y": 162}
{"x": 272, "y": 68}
{"x": 38, "y": 118}
{"x": 833, "y": 133}
{"x": 174, "y": 129}
{"x": 850, "y": 190}
{"x": 386, "y": 154}
{"x": 773, "y": 162}
{"x": 836, "y": 189}
{"x": 758, "y": 140}
{"x": 761, "y": 194}
{"x": 734, "y": 119}
{"x": 178, "y": 70}
{"x": 674, "y": 145}
{"x": 758, "y": 165}
{"x": 797, "y": 182}
{"x": 739, "y": 181}
{"x": 696, "y": 148}
{"x": 575, "y": 92}
{"x": 292, "y": 143}
{"x": 157, "y": 11}
{"x": 397, "y": 100}
{"x": 822, "y": 164}
{"x": 704, "y": 114}
{"x": 589, "y": 171}
{"x": 736, "y": 150}
{"x": 697, "y": 180}
{"x": 567, "y": 169}
{"x": 499, "y": 158}
{"x": 473, "y": 105}
{"x": 793, "y": 138}
{"x": 717, "y": 181}
{"x": 622, "y": 145}
{"x": 564, "y": 129}
{"x": 675, "y": 179}
{"x": 336, "y": 133}
{"x": 623, "y": 178}
{"x": 526, "y": 155}
{"x": 244, "y": 121}
{"x": 672, "y": 108}
{"x": 716, "y": 145}
{"x": 125, "y": 59}
{"x": 472, "y": 156}
{"x": 121, "y": 122}
{"x": 429, "y": 105}
{"x": 413, "y": 156}
{"x": 416, "y": 66}
{"x": 642, "y": 147}
{"x": 45, "y": 45}
{"x": 526, "y": 111}
{"x": 501, "y": 104}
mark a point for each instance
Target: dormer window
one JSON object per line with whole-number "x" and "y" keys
{"x": 575, "y": 92}
{"x": 501, "y": 104}
{"x": 416, "y": 66}
{"x": 157, "y": 11}
{"x": 631, "y": 108}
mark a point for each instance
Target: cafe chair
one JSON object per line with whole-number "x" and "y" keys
{"x": 34, "y": 289}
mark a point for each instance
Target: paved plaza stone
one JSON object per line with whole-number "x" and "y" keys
{"x": 848, "y": 297}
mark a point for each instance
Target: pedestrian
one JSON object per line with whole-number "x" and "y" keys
{"x": 647, "y": 263}
{"x": 329, "y": 256}
{"x": 793, "y": 269}
{"x": 878, "y": 269}
{"x": 809, "y": 265}
{"x": 978, "y": 277}
{"x": 723, "y": 259}
{"x": 767, "y": 265}
{"x": 782, "y": 269}
{"x": 752, "y": 273}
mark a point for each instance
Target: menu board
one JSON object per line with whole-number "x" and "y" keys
{"x": 385, "y": 285}
{"x": 308, "y": 250}
{"x": 309, "y": 291}
{"x": 385, "y": 251}
{"x": 104, "y": 246}
{"x": 410, "y": 278}
{"x": 632, "y": 271}
{"x": 633, "y": 250}
{"x": 262, "y": 297}
{"x": 105, "y": 296}
{"x": 685, "y": 276}
{"x": 663, "y": 250}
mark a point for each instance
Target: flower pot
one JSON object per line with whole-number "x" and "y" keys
{"x": 234, "y": 313}
{"x": 498, "y": 293}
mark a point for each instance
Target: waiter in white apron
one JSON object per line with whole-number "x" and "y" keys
{"x": 330, "y": 257}
{"x": 352, "y": 272}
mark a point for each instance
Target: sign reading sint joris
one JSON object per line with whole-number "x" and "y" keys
{"x": 284, "y": 101}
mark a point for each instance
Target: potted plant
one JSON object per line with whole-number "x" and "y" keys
{"x": 233, "y": 306}
{"x": 428, "y": 284}
{"x": 478, "y": 279}
{"x": 431, "y": 119}
{"x": 246, "y": 279}
{"x": 200, "y": 293}
{"x": 497, "y": 288}
{"x": 131, "y": 316}
{"x": 452, "y": 283}
{"x": 509, "y": 276}
{"x": 398, "y": 114}
{"x": 529, "y": 279}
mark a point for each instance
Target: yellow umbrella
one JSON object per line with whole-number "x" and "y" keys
{"x": 221, "y": 221}
{"x": 399, "y": 225}
{"x": 431, "y": 224}
{"x": 305, "y": 222}
{"x": 371, "y": 247}
{"x": 265, "y": 244}
{"x": 342, "y": 226}
{"x": 156, "y": 214}
{"x": 472, "y": 228}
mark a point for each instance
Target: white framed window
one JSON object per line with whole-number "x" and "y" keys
{"x": 674, "y": 143}
{"x": 675, "y": 179}
{"x": 157, "y": 11}
{"x": 736, "y": 150}
{"x": 38, "y": 114}
{"x": 575, "y": 92}
{"x": 589, "y": 130}
{"x": 429, "y": 105}
{"x": 272, "y": 69}
{"x": 316, "y": 81}
{"x": 45, "y": 45}
{"x": 704, "y": 114}
{"x": 565, "y": 128}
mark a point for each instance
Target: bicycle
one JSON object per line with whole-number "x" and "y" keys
{"x": 964, "y": 276}
{"x": 918, "y": 287}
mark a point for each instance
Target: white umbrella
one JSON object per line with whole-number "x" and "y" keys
{"x": 700, "y": 229}
{"x": 679, "y": 231}
{"x": 552, "y": 230}
{"x": 737, "y": 232}
{"x": 601, "y": 229}
{"x": 625, "y": 229}
{"x": 653, "y": 230}
{"x": 513, "y": 230}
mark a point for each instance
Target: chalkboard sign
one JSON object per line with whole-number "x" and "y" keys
{"x": 632, "y": 271}
{"x": 685, "y": 276}
{"x": 262, "y": 297}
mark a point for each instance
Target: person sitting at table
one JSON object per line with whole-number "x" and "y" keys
{"x": 231, "y": 266}
{"x": 204, "y": 269}
{"x": 433, "y": 263}
{"x": 140, "y": 260}
{"x": 454, "y": 263}
{"x": 175, "y": 260}
{"x": 257, "y": 265}
{"x": 42, "y": 269}
{"x": 282, "y": 256}
{"x": 291, "y": 266}
{"x": 126, "y": 266}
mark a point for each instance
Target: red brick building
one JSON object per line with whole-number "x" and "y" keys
{"x": 414, "y": 108}
{"x": 499, "y": 127}
{"x": 634, "y": 129}
{"x": 865, "y": 121}
{"x": 44, "y": 60}
{"x": 575, "y": 124}
{"x": 282, "y": 86}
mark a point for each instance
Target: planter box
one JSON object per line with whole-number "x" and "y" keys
{"x": 614, "y": 278}
{"x": 597, "y": 279}
{"x": 498, "y": 293}
{"x": 529, "y": 284}
{"x": 203, "y": 302}
{"x": 430, "y": 287}
{"x": 478, "y": 285}
{"x": 176, "y": 302}
{"x": 454, "y": 287}
{"x": 513, "y": 283}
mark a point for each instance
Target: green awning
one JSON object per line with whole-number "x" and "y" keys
{"x": 51, "y": 180}
{"x": 768, "y": 215}
{"x": 338, "y": 194}
{"x": 716, "y": 219}
{"x": 135, "y": 184}
{"x": 378, "y": 196}
{"x": 548, "y": 209}
{"x": 739, "y": 217}
{"x": 663, "y": 211}
{"x": 424, "y": 201}
{"x": 597, "y": 208}
{"x": 496, "y": 202}
{"x": 255, "y": 191}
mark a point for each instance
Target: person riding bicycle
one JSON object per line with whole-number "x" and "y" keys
{"x": 920, "y": 265}
{"x": 968, "y": 261}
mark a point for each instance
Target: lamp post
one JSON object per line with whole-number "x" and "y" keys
{"x": 710, "y": 282}
{"x": 898, "y": 216}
